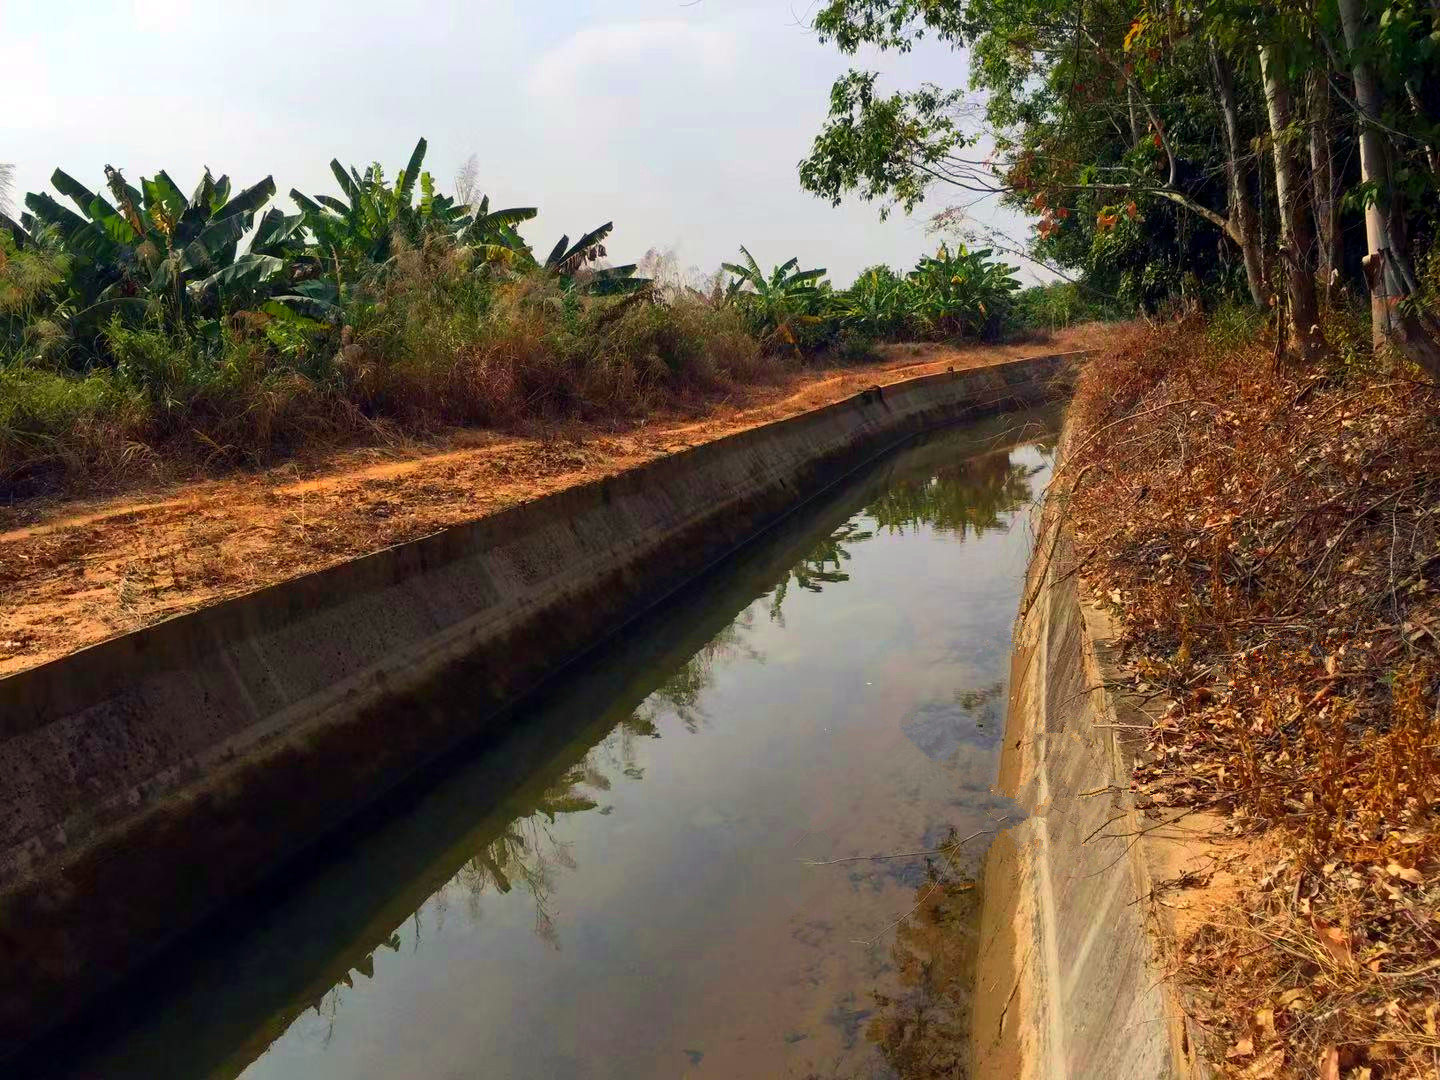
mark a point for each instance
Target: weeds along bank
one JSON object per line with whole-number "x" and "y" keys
{"x": 144, "y": 327}
{"x": 1269, "y": 540}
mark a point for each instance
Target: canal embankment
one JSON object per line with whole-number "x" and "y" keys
{"x": 1072, "y": 977}
{"x": 156, "y": 776}
{"x": 1262, "y": 540}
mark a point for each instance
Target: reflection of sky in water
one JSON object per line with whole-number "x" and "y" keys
{"x": 644, "y": 898}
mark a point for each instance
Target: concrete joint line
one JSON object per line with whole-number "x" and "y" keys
{"x": 1056, "y": 1055}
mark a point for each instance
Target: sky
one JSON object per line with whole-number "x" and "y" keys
{"x": 681, "y": 122}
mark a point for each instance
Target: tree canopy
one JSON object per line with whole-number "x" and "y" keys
{"x": 1168, "y": 150}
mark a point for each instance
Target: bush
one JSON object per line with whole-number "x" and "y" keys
{"x": 430, "y": 340}
{"x": 854, "y": 348}
{"x": 62, "y": 423}
{"x": 1234, "y": 325}
{"x": 444, "y": 346}
{"x": 1061, "y": 304}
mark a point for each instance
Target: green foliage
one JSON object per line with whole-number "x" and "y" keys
{"x": 29, "y": 278}
{"x": 1061, "y": 304}
{"x": 376, "y": 215}
{"x": 786, "y": 306}
{"x": 881, "y": 304}
{"x": 1234, "y": 326}
{"x": 1107, "y": 125}
{"x": 962, "y": 293}
{"x": 151, "y": 248}
{"x": 39, "y": 407}
{"x": 952, "y": 294}
{"x": 885, "y": 148}
{"x": 224, "y": 326}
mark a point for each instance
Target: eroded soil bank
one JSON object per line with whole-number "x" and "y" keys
{"x": 81, "y": 571}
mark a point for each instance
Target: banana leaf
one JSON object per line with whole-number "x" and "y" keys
{"x": 248, "y": 201}
{"x": 351, "y": 187}
{"x": 78, "y": 193}
{"x": 405, "y": 183}
{"x": 161, "y": 191}
{"x": 246, "y": 272}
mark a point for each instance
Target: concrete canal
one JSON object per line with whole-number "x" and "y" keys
{"x": 663, "y": 867}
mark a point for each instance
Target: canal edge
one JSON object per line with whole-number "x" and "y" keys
{"x": 1072, "y": 977}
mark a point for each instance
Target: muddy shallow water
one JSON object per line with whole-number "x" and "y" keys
{"x": 633, "y": 883}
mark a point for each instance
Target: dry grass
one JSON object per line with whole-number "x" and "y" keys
{"x": 1270, "y": 542}
{"x": 433, "y": 346}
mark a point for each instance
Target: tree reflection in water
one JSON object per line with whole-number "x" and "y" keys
{"x": 969, "y": 498}
{"x": 819, "y": 568}
{"x": 923, "y": 1029}
{"x": 527, "y": 853}
{"x": 964, "y": 499}
{"x": 680, "y": 693}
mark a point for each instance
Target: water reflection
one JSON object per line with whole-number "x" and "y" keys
{"x": 582, "y": 788}
{"x": 965, "y": 498}
{"x": 962, "y": 498}
{"x": 922, "y": 1028}
{"x": 820, "y": 567}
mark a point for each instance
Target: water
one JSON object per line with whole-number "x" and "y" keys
{"x": 628, "y": 885}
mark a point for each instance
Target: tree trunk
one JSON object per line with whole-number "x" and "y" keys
{"x": 1432, "y": 150}
{"x": 1243, "y": 215}
{"x": 1322, "y": 178}
{"x": 1386, "y": 268}
{"x": 1297, "y": 238}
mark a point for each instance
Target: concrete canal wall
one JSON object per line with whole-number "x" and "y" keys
{"x": 150, "y": 779}
{"x": 1070, "y": 979}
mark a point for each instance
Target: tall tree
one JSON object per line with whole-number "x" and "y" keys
{"x": 1387, "y": 270}
{"x": 1244, "y": 209}
{"x": 1318, "y": 99}
{"x": 1100, "y": 120}
{"x": 1297, "y": 233}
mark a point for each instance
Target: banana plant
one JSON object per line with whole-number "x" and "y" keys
{"x": 782, "y": 304}
{"x": 566, "y": 258}
{"x": 151, "y": 248}
{"x": 363, "y": 227}
{"x": 493, "y": 233}
{"x": 962, "y": 292}
{"x": 880, "y": 303}
{"x": 280, "y": 256}
{"x": 573, "y": 265}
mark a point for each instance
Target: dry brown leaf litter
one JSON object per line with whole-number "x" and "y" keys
{"x": 1270, "y": 542}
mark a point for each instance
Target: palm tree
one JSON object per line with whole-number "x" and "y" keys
{"x": 7, "y": 185}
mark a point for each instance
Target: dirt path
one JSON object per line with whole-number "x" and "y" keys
{"x": 76, "y": 573}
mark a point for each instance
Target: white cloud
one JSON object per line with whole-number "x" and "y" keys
{"x": 30, "y": 101}
{"x": 160, "y": 16}
{"x": 611, "y": 60}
